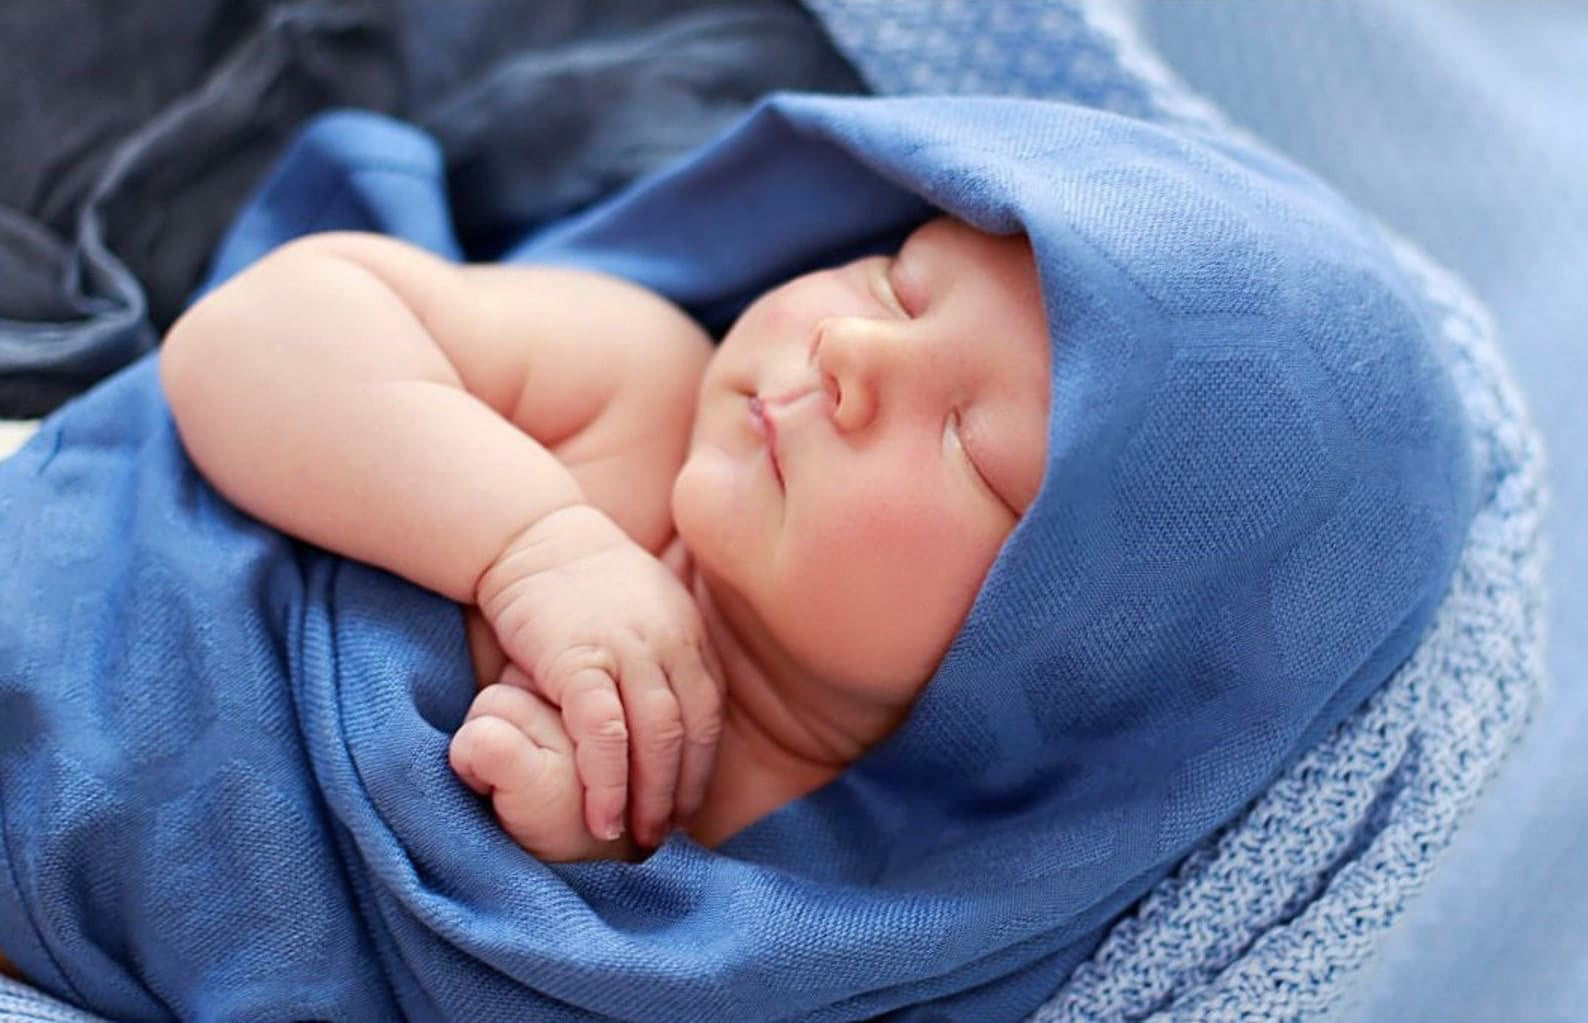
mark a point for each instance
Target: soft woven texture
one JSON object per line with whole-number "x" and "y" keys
{"x": 1275, "y": 918}
{"x": 1141, "y": 967}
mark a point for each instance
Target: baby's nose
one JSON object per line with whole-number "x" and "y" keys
{"x": 855, "y": 356}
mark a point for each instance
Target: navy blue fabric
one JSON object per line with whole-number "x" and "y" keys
{"x": 1256, "y": 486}
{"x": 131, "y": 146}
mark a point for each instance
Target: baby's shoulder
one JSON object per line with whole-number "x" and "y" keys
{"x": 593, "y": 346}
{"x": 607, "y": 382}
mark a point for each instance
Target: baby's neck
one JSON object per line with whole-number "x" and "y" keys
{"x": 776, "y": 745}
{"x": 753, "y": 777}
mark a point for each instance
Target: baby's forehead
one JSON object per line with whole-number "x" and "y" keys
{"x": 948, "y": 253}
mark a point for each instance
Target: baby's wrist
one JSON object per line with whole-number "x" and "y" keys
{"x": 556, "y": 538}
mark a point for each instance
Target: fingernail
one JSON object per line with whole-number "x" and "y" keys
{"x": 614, "y": 831}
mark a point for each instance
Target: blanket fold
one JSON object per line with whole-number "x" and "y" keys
{"x": 116, "y": 185}
{"x": 1282, "y": 473}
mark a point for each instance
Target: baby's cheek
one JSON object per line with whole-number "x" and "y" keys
{"x": 920, "y": 523}
{"x": 892, "y": 581}
{"x": 775, "y": 319}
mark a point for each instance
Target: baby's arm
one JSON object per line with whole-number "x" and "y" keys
{"x": 366, "y": 396}
{"x": 401, "y": 410}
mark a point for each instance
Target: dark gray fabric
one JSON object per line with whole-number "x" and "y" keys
{"x": 136, "y": 129}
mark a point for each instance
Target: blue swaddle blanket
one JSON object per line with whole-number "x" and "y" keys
{"x": 1258, "y": 484}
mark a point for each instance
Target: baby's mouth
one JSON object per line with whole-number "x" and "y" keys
{"x": 768, "y": 429}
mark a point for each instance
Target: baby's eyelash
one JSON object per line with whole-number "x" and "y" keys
{"x": 964, "y": 451}
{"x": 893, "y": 291}
{"x": 953, "y": 427}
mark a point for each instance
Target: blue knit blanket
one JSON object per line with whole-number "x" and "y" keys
{"x": 1285, "y": 477}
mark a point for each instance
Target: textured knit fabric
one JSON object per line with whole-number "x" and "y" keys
{"x": 1264, "y": 921}
{"x": 1465, "y": 123}
{"x": 22, "y": 1004}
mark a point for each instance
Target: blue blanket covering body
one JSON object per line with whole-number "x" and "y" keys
{"x": 1256, "y": 488}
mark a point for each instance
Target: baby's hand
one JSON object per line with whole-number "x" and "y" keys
{"x": 608, "y": 635}
{"x": 513, "y": 748}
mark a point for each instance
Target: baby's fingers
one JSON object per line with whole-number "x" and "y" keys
{"x": 512, "y": 747}
{"x": 658, "y": 728}
{"x": 489, "y": 753}
{"x": 697, "y": 681}
{"x": 503, "y": 737}
{"x": 514, "y": 702}
{"x": 593, "y": 714}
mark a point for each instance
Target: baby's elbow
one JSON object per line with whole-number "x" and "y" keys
{"x": 195, "y": 356}
{"x": 213, "y": 342}
{"x": 186, "y": 361}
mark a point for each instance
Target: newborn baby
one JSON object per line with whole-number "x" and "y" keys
{"x": 697, "y": 582}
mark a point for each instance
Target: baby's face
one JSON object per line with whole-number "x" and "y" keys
{"x": 865, "y": 439}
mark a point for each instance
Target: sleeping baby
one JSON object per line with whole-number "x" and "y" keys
{"x": 698, "y": 584}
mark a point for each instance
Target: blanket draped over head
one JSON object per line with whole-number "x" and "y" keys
{"x": 224, "y": 789}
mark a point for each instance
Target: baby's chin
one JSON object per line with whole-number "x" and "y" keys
{"x": 689, "y": 498}
{"x": 724, "y": 505}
